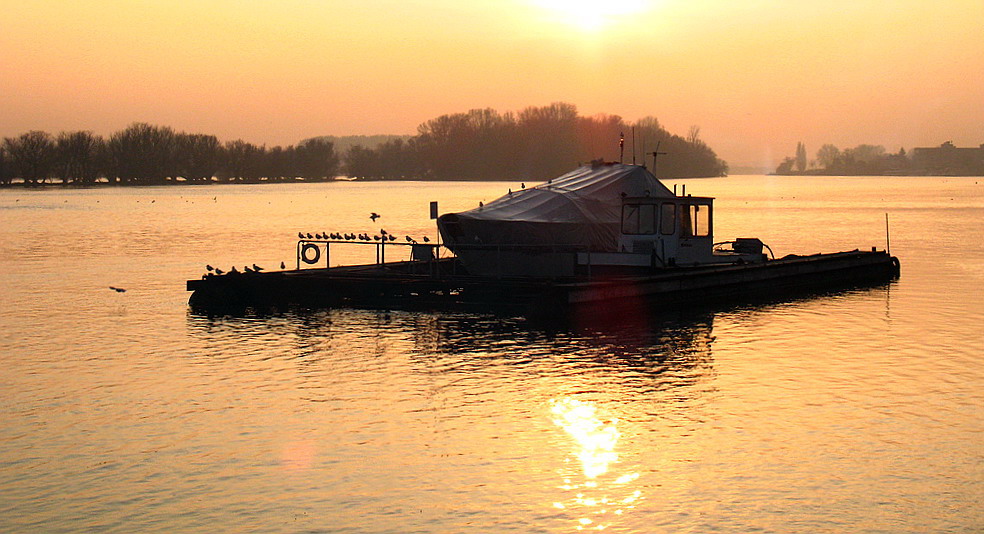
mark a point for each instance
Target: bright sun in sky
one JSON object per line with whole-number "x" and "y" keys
{"x": 592, "y": 15}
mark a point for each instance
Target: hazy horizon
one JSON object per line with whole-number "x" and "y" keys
{"x": 755, "y": 77}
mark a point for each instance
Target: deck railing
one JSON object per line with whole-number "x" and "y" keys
{"x": 311, "y": 253}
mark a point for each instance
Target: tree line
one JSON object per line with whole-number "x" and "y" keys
{"x": 145, "y": 154}
{"x": 536, "y": 143}
{"x": 874, "y": 160}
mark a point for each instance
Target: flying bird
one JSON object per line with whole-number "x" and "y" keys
{"x": 118, "y": 289}
{"x": 374, "y": 216}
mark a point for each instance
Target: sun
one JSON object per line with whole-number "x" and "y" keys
{"x": 592, "y": 15}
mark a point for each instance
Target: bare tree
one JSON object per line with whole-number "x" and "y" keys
{"x": 6, "y": 171}
{"x": 142, "y": 153}
{"x": 242, "y": 161}
{"x": 196, "y": 156}
{"x": 316, "y": 159}
{"x": 77, "y": 157}
{"x": 31, "y": 155}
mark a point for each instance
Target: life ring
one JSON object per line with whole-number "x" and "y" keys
{"x": 308, "y": 259}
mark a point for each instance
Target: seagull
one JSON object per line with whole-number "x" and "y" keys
{"x": 426, "y": 239}
{"x": 376, "y": 237}
{"x": 300, "y": 235}
{"x": 481, "y": 204}
{"x": 309, "y": 236}
{"x": 522, "y": 185}
{"x": 247, "y": 269}
{"x": 218, "y": 271}
{"x": 318, "y": 236}
{"x": 374, "y": 216}
{"x": 382, "y": 232}
{"x": 392, "y": 238}
{"x": 409, "y": 239}
{"x": 257, "y": 268}
{"x": 118, "y": 289}
{"x": 283, "y": 265}
{"x": 209, "y": 268}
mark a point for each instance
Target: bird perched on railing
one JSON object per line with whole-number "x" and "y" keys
{"x": 218, "y": 271}
{"x": 309, "y": 236}
{"x": 426, "y": 239}
{"x": 300, "y": 235}
{"x": 283, "y": 265}
{"x": 209, "y": 268}
{"x": 257, "y": 268}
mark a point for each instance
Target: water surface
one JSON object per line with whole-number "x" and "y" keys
{"x": 854, "y": 411}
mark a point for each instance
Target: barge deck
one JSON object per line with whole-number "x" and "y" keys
{"x": 442, "y": 283}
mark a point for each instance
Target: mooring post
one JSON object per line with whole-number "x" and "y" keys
{"x": 888, "y": 239}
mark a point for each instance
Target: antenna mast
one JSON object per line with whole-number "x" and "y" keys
{"x": 656, "y": 154}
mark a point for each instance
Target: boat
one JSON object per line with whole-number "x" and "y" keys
{"x": 601, "y": 235}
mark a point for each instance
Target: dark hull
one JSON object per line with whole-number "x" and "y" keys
{"x": 442, "y": 285}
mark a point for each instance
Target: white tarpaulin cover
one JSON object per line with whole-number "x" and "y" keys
{"x": 581, "y": 208}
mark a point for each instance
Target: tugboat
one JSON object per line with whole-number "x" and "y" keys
{"x": 601, "y": 234}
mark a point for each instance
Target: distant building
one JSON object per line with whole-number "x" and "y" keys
{"x": 948, "y": 160}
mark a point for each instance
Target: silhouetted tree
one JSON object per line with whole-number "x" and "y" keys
{"x": 786, "y": 167}
{"x": 6, "y": 170}
{"x": 142, "y": 154}
{"x": 800, "y": 157}
{"x": 31, "y": 155}
{"x": 315, "y": 159}
{"x": 77, "y": 157}
{"x": 242, "y": 161}
{"x": 196, "y": 156}
{"x": 828, "y": 156}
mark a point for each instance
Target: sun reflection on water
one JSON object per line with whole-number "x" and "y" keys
{"x": 598, "y": 494}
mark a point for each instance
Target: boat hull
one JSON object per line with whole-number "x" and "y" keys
{"x": 442, "y": 284}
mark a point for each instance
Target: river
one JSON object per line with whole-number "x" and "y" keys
{"x": 858, "y": 411}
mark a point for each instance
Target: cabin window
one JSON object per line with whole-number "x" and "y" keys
{"x": 667, "y": 219}
{"x": 639, "y": 219}
{"x": 695, "y": 220}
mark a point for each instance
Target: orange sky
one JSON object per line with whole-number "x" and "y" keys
{"x": 756, "y": 76}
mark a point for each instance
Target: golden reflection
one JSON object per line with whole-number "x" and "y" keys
{"x": 600, "y": 494}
